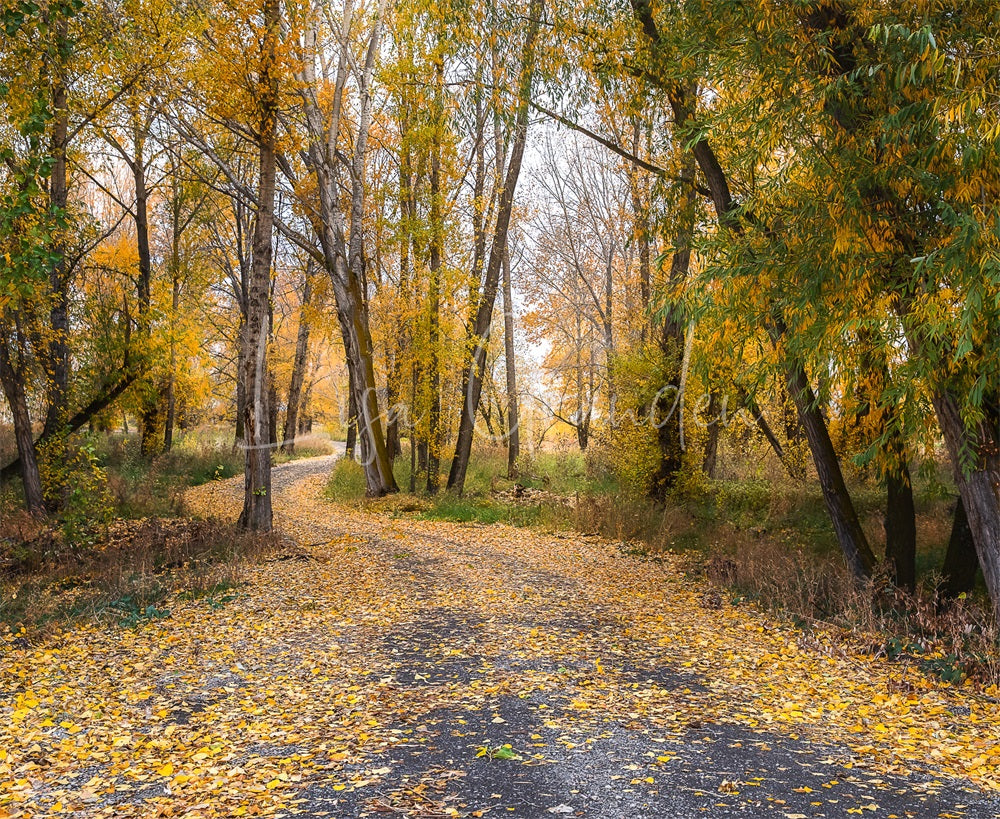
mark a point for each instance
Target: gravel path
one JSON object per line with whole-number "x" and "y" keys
{"x": 685, "y": 760}
{"x": 385, "y": 665}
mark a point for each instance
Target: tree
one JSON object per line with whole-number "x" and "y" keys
{"x": 257, "y": 512}
{"x": 472, "y": 379}
{"x": 340, "y": 229}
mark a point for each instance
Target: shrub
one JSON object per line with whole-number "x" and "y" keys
{"x": 76, "y": 487}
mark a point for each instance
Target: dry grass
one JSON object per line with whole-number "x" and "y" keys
{"x": 128, "y": 576}
{"x": 953, "y": 640}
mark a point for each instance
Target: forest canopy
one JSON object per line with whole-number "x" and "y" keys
{"x": 767, "y": 228}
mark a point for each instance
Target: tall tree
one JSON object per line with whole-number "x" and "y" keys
{"x": 340, "y": 229}
{"x": 472, "y": 378}
{"x": 257, "y": 512}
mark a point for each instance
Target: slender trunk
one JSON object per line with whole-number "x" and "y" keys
{"x": 405, "y": 329}
{"x": 609, "y": 339}
{"x": 716, "y": 407}
{"x": 640, "y": 216}
{"x": 57, "y": 366}
{"x": 900, "y": 515}
{"x": 513, "y": 421}
{"x": 478, "y": 207}
{"x": 104, "y": 399}
{"x": 901, "y": 528}
{"x": 392, "y": 444}
{"x": 151, "y": 414}
{"x": 272, "y": 408}
{"x": 175, "y": 302}
{"x": 12, "y": 380}
{"x": 305, "y": 420}
{"x": 257, "y": 513}
{"x": 414, "y": 381}
{"x": 434, "y": 289}
{"x": 240, "y": 434}
{"x": 351, "y": 442}
{"x": 472, "y": 379}
{"x": 960, "y": 561}
{"x": 298, "y": 369}
{"x": 843, "y": 515}
{"x": 765, "y": 429}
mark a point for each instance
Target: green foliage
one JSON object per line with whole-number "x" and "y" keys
{"x": 28, "y": 223}
{"x": 503, "y": 752}
{"x": 347, "y": 481}
{"x": 76, "y": 487}
{"x": 132, "y": 612}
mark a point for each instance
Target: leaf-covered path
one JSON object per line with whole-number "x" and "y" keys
{"x": 386, "y": 666}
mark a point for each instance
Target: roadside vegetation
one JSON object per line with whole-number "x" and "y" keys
{"x": 121, "y": 547}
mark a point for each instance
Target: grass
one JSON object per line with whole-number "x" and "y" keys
{"x": 144, "y": 486}
{"x": 488, "y": 496}
{"x": 129, "y": 577}
{"x": 126, "y": 572}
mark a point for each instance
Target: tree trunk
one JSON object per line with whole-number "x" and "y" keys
{"x": 434, "y": 289}
{"x": 351, "y": 442}
{"x": 641, "y": 231}
{"x": 667, "y": 405}
{"x": 272, "y": 408}
{"x": 12, "y": 380}
{"x": 472, "y": 379}
{"x": 240, "y": 433}
{"x": 57, "y": 366}
{"x": 843, "y": 515}
{"x": 343, "y": 248}
{"x": 149, "y": 428}
{"x": 975, "y": 457}
{"x": 513, "y": 431}
{"x": 298, "y": 370}
{"x": 961, "y": 561}
{"x": 392, "y": 443}
{"x": 257, "y": 512}
{"x": 765, "y": 429}
{"x": 710, "y": 461}
{"x": 305, "y": 419}
{"x": 175, "y": 300}
{"x": 99, "y": 403}
{"x": 901, "y": 528}
{"x": 404, "y": 333}
{"x": 151, "y": 415}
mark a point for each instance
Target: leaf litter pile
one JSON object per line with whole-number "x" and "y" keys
{"x": 381, "y": 666}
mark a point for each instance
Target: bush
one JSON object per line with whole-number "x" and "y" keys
{"x": 76, "y": 487}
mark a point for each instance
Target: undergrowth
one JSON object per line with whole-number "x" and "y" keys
{"x": 129, "y": 577}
